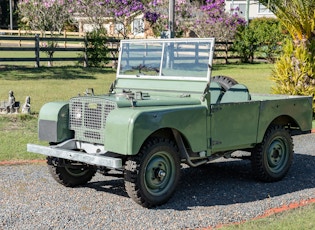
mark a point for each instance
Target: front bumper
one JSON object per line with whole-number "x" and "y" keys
{"x": 92, "y": 159}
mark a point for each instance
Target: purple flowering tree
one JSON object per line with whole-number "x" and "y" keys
{"x": 185, "y": 14}
{"x": 208, "y": 20}
{"x": 213, "y": 21}
{"x": 205, "y": 20}
{"x": 120, "y": 12}
{"x": 45, "y": 15}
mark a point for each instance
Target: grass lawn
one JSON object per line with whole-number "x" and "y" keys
{"x": 299, "y": 218}
{"x": 254, "y": 76}
{"x": 53, "y": 84}
{"x": 30, "y": 54}
{"x": 43, "y": 85}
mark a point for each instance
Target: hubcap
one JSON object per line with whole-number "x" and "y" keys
{"x": 76, "y": 172}
{"x": 159, "y": 173}
{"x": 277, "y": 155}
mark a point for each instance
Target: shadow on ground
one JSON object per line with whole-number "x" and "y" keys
{"x": 225, "y": 183}
{"x": 18, "y": 73}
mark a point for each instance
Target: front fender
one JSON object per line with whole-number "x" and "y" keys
{"x": 127, "y": 129}
{"x": 53, "y": 122}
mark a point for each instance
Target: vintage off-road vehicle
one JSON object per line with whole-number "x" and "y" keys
{"x": 165, "y": 109}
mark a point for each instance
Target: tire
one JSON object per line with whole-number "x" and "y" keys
{"x": 271, "y": 159}
{"x": 224, "y": 81}
{"x": 70, "y": 176}
{"x": 153, "y": 174}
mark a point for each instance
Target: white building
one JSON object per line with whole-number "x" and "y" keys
{"x": 139, "y": 28}
{"x": 256, "y": 9}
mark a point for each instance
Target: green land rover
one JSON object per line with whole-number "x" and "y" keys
{"x": 165, "y": 109}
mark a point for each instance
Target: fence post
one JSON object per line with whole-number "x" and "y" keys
{"x": 19, "y": 34}
{"x": 85, "y": 61}
{"x": 226, "y": 52}
{"x": 37, "y": 50}
{"x": 65, "y": 36}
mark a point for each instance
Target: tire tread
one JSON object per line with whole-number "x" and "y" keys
{"x": 132, "y": 169}
{"x": 257, "y": 155}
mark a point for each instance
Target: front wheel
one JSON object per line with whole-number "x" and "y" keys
{"x": 272, "y": 158}
{"x": 152, "y": 175}
{"x": 68, "y": 173}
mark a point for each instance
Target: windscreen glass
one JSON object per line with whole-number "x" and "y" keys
{"x": 182, "y": 59}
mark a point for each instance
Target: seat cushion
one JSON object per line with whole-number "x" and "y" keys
{"x": 237, "y": 93}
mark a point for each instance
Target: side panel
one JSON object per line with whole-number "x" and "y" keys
{"x": 53, "y": 123}
{"x": 299, "y": 109}
{"x": 127, "y": 129}
{"x": 233, "y": 125}
{"x": 117, "y": 130}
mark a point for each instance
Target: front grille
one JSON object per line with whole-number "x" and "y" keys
{"x": 91, "y": 116}
{"x": 92, "y": 135}
{"x": 88, "y": 118}
{"x": 75, "y": 110}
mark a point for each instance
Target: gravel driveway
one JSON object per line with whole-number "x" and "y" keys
{"x": 220, "y": 192}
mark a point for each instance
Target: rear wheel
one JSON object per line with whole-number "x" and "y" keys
{"x": 69, "y": 173}
{"x": 272, "y": 158}
{"x": 152, "y": 176}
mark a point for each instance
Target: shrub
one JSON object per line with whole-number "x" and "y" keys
{"x": 97, "y": 51}
{"x": 294, "y": 72}
{"x": 269, "y": 34}
{"x": 246, "y": 44}
{"x": 263, "y": 36}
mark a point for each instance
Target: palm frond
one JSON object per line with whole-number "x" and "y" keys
{"x": 298, "y": 16}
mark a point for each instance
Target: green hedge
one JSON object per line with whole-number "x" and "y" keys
{"x": 262, "y": 37}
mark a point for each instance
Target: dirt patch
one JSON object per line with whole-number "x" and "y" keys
{"x": 286, "y": 208}
{"x": 22, "y": 162}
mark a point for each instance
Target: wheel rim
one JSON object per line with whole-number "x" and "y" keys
{"x": 277, "y": 155}
{"x": 76, "y": 172}
{"x": 159, "y": 173}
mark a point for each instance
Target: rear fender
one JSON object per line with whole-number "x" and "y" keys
{"x": 295, "y": 113}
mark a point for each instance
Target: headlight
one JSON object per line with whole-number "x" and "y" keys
{"x": 77, "y": 113}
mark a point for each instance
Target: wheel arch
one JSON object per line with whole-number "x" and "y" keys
{"x": 283, "y": 120}
{"x": 169, "y": 133}
{"x": 162, "y": 132}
